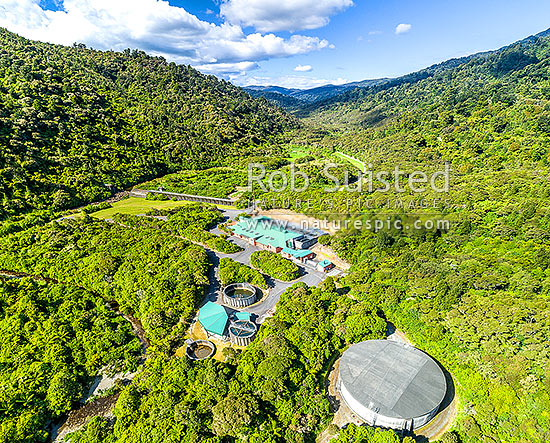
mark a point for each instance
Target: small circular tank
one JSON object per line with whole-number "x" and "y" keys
{"x": 241, "y": 332}
{"x": 200, "y": 349}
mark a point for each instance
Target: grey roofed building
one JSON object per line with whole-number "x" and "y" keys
{"x": 391, "y": 384}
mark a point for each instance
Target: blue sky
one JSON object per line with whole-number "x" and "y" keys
{"x": 264, "y": 41}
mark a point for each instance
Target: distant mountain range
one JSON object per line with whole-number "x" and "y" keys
{"x": 292, "y": 98}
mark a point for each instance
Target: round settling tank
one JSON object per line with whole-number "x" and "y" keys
{"x": 239, "y": 295}
{"x": 241, "y": 332}
{"x": 391, "y": 384}
{"x": 200, "y": 349}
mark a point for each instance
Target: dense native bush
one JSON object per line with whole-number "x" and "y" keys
{"x": 474, "y": 296}
{"x": 189, "y": 222}
{"x": 274, "y": 265}
{"x": 158, "y": 278}
{"x": 90, "y": 209}
{"x": 233, "y": 272}
{"x": 476, "y": 111}
{"x": 76, "y": 119}
{"x": 53, "y": 339}
{"x": 366, "y": 434}
{"x": 20, "y": 223}
{"x": 199, "y": 215}
{"x": 214, "y": 182}
{"x": 272, "y": 393}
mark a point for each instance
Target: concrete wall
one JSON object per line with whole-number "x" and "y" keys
{"x": 241, "y": 341}
{"x": 239, "y": 302}
{"x": 142, "y": 193}
{"x": 374, "y": 419}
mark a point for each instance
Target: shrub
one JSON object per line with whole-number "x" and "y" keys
{"x": 156, "y": 197}
{"x": 219, "y": 244}
{"x": 232, "y": 272}
{"x": 90, "y": 209}
{"x": 274, "y": 265}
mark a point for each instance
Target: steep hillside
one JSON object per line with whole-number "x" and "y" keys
{"x": 74, "y": 119}
{"x": 285, "y": 101}
{"x": 492, "y": 107}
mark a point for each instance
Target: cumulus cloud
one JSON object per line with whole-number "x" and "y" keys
{"x": 303, "y": 68}
{"x": 228, "y": 68}
{"x": 282, "y": 15}
{"x": 288, "y": 81}
{"x": 154, "y": 26}
{"x": 402, "y": 28}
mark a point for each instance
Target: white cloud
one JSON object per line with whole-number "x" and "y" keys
{"x": 153, "y": 26}
{"x": 288, "y": 81}
{"x": 375, "y": 32}
{"x": 303, "y": 68}
{"x": 402, "y": 28}
{"x": 282, "y": 15}
{"x": 228, "y": 68}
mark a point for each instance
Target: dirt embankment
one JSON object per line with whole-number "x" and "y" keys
{"x": 323, "y": 251}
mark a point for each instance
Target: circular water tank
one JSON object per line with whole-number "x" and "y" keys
{"x": 239, "y": 295}
{"x": 241, "y": 332}
{"x": 391, "y": 384}
{"x": 200, "y": 349}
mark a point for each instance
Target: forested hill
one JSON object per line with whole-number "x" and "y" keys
{"x": 73, "y": 119}
{"x": 491, "y": 107}
{"x": 493, "y": 64}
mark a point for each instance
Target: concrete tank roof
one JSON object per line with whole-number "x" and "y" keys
{"x": 392, "y": 379}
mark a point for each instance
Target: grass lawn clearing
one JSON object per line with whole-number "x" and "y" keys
{"x": 357, "y": 163}
{"x": 137, "y": 206}
{"x": 297, "y": 152}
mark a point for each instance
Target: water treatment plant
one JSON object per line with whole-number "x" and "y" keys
{"x": 391, "y": 384}
{"x": 237, "y": 327}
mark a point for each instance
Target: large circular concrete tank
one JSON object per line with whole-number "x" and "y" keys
{"x": 391, "y": 384}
